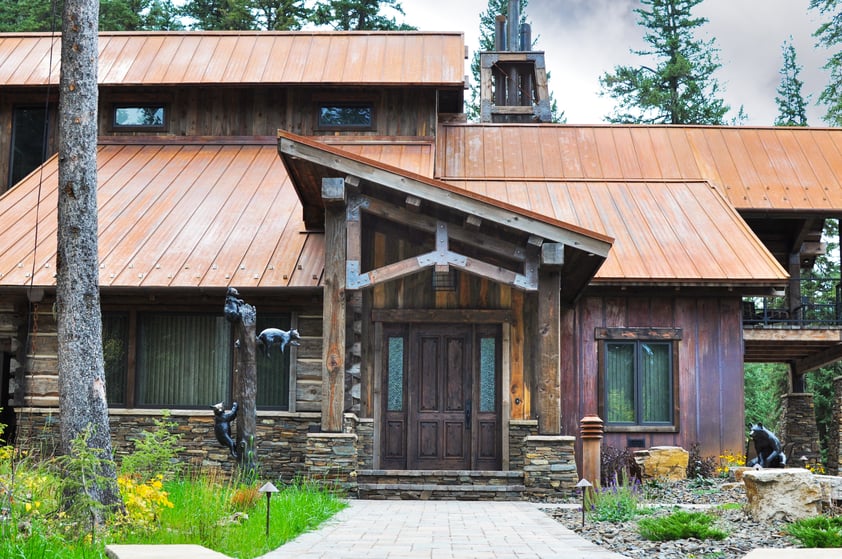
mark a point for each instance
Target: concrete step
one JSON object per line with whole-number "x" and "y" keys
{"x": 475, "y": 485}
{"x": 170, "y": 551}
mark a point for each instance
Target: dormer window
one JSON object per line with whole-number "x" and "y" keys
{"x": 346, "y": 116}
{"x": 139, "y": 117}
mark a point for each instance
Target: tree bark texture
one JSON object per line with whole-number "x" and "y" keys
{"x": 81, "y": 370}
{"x": 245, "y": 388}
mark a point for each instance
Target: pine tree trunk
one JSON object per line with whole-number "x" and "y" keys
{"x": 80, "y": 362}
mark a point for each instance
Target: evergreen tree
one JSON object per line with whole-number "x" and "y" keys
{"x": 280, "y": 15}
{"x": 358, "y": 15}
{"x": 829, "y": 35}
{"x": 219, "y": 15}
{"x": 680, "y": 88}
{"x": 487, "y": 21}
{"x": 114, "y": 15}
{"x": 792, "y": 107}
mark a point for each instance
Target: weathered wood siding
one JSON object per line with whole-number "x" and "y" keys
{"x": 40, "y": 376}
{"x": 8, "y": 101}
{"x": 710, "y": 366}
{"x": 237, "y": 111}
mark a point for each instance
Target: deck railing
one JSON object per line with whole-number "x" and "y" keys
{"x": 820, "y": 306}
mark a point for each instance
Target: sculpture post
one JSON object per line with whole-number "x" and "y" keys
{"x": 244, "y": 319}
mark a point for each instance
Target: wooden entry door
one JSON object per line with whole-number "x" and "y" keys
{"x": 442, "y": 411}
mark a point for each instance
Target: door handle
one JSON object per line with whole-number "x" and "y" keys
{"x": 468, "y": 415}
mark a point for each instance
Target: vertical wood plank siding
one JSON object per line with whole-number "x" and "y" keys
{"x": 240, "y": 111}
{"x": 710, "y": 378}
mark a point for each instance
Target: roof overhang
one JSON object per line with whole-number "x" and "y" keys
{"x": 578, "y": 251}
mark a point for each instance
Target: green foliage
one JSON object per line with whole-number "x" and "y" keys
{"x": 114, "y": 15}
{"x": 617, "y": 502}
{"x": 680, "y": 525}
{"x": 197, "y": 510}
{"x": 829, "y": 36}
{"x": 155, "y": 452}
{"x": 820, "y": 384}
{"x": 679, "y": 88}
{"x": 818, "y": 531}
{"x": 359, "y": 15}
{"x": 617, "y": 464}
{"x": 765, "y": 383}
{"x": 700, "y": 469}
{"x": 792, "y": 107}
{"x": 87, "y": 483}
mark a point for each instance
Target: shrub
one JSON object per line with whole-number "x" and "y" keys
{"x": 155, "y": 452}
{"x": 819, "y": 531}
{"x": 698, "y": 467}
{"x": 616, "y": 502}
{"x": 680, "y": 525}
{"x": 616, "y": 463}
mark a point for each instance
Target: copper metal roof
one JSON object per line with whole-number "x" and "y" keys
{"x": 666, "y": 232}
{"x": 180, "y": 214}
{"x": 228, "y": 58}
{"x": 756, "y": 168}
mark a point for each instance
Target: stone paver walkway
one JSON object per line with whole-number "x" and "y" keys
{"x": 440, "y": 530}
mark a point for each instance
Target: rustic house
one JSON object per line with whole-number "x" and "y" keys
{"x": 466, "y": 293}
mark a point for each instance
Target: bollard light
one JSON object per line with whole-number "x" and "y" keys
{"x": 583, "y": 485}
{"x": 268, "y": 488}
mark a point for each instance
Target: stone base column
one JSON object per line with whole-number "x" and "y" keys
{"x": 549, "y": 465}
{"x": 519, "y": 429}
{"x": 799, "y": 433}
{"x": 834, "y": 452}
{"x": 331, "y": 459}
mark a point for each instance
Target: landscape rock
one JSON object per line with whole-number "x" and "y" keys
{"x": 663, "y": 462}
{"x": 788, "y": 494}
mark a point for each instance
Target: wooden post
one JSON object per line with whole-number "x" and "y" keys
{"x": 333, "y": 348}
{"x": 549, "y": 340}
{"x": 243, "y": 318}
{"x": 591, "y": 433}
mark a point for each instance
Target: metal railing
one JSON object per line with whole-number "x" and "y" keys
{"x": 820, "y": 306}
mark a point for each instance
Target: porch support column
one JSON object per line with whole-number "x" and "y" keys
{"x": 333, "y": 314}
{"x": 549, "y": 340}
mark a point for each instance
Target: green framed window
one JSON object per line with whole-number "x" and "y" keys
{"x": 184, "y": 360}
{"x": 638, "y": 377}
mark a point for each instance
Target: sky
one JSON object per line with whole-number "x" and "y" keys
{"x": 583, "y": 39}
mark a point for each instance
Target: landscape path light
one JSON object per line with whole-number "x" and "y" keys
{"x": 268, "y": 488}
{"x": 583, "y": 485}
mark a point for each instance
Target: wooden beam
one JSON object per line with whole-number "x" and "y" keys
{"x": 427, "y": 224}
{"x": 333, "y": 318}
{"x": 333, "y": 191}
{"x": 478, "y": 316}
{"x": 549, "y": 340}
{"x": 552, "y": 254}
{"x": 449, "y": 197}
{"x": 817, "y": 360}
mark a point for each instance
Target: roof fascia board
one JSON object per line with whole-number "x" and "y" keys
{"x": 443, "y": 195}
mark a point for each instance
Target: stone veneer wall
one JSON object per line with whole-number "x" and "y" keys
{"x": 834, "y": 450}
{"x": 799, "y": 433}
{"x": 363, "y": 428}
{"x": 519, "y": 429}
{"x": 549, "y": 466}
{"x": 331, "y": 458}
{"x": 282, "y": 437}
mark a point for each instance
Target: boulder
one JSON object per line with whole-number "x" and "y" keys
{"x": 663, "y": 462}
{"x": 788, "y": 494}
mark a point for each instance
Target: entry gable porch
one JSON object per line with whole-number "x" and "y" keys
{"x": 444, "y": 228}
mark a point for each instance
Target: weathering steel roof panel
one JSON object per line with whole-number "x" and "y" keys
{"x": 664, "y": 231}
{"x": 797, "y": 169}
{"x": 184, "y": 215}
{"x": 230, "y": 58}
